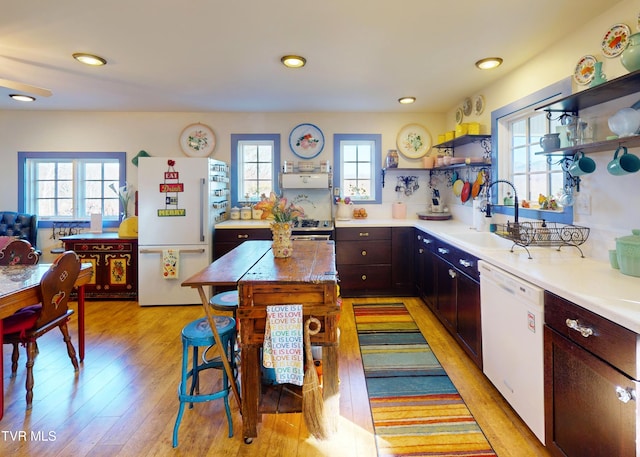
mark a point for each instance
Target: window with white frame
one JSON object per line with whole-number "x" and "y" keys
{"x": 357, "y": 167}
{"x": 255, "y": 162}
{"x": 530, "y": 172}
{"x": 71, "y": 186}
{"x": 516, "y": 130}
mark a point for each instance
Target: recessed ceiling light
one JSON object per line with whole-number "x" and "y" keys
{"x": 489, "y": 63}
{"x": 89, "y": 59}
{"x": 407, "y": 100}
{"x": 292, "y": 61}
{"x": 22, "y": 98}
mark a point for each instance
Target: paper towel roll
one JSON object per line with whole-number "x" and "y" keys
{"x": 399, "y": 210}
{"x": 479, "y": 219}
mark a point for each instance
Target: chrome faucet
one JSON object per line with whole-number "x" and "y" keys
{"x": 515, "y": 199}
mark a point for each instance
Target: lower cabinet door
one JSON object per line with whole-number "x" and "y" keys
{"x": 590, "y": 407}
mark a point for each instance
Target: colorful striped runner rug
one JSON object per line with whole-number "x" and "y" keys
{"x": 416, "y": 409}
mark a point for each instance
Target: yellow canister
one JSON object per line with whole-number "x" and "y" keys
{"x": 450, "y": 135}
{"x": 462, "y": 129}
{"x": 473, "y": 128}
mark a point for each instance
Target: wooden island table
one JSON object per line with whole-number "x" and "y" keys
{"x": 308, "y": 277}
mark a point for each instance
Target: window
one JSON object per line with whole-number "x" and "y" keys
{"x": 531, "y": 173}
{"x": 516, "y": 130}
{"x": 255, "y": 159}
{"x": 60, "y": 186}
{"x": 357, "y": 160}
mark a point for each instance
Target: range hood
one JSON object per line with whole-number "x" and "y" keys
{"x": 304, "y": 180}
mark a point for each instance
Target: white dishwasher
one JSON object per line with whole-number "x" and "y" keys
{"x": 512, "y": 312}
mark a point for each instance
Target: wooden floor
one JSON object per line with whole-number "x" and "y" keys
{"x": 123, "y": 401}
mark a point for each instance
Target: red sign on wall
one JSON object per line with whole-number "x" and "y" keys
{"x": 177, "y": 187}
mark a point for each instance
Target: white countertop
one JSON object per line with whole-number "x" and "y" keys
{"x": 590, "y": 283}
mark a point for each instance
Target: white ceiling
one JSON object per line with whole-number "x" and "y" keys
{"x": 224, "y": 55}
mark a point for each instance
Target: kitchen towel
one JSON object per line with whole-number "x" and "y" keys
{"x": 170, "y": 262}
{"x": 282, "y": 347}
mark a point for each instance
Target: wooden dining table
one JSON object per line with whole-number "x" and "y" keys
{"x": 308, "y": 277}
{"x": 20, "y": 287}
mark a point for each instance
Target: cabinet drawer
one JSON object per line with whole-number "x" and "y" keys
{"x": 460, "y": 259}
{"x": 365, "y": 277}
{"x": 228, "y": 235}
{"x": 82, "y": 246}
{"x": 363, "y": 253}
{"x": 608, "y": 340}
{"x": 364, "y": 233}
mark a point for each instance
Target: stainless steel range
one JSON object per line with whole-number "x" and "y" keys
{"x": 312, "y": 229}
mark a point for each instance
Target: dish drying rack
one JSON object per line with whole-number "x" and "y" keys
{"x": 543, "y": 233}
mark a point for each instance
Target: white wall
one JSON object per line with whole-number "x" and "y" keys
{"x": 158, "y": 134}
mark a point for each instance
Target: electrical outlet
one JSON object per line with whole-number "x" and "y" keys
{"x": 583, "y": 205}
{"x": 336, "y": 191}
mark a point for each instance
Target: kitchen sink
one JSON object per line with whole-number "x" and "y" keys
{"x": 484, "y": 240}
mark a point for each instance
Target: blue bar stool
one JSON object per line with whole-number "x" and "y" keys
{"x": 194, "y": 335}
{"x": 225, "y": 302}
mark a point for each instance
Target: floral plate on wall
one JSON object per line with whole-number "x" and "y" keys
{"x": 197, "y": 140}
{"x": 585, "y": 70}
{"x": 615, "y": 40}
{"x": 306, "y": 141}
{"x": 413, "y": 141}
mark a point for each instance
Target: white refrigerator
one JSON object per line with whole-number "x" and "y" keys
{"x": 175, "y": 222}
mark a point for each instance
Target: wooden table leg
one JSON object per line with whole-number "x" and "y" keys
{"x": 221, "y": 352}
{"x": 331, "y": 386}
{"x": 81, "y": 322}
{"x": 250, "y": 368}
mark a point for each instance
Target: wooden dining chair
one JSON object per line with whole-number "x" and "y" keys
{"x": 17, "y": 252}
{"x": 28, "y": 324}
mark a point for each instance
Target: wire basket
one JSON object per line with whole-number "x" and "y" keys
{"x": 543, "y": 234}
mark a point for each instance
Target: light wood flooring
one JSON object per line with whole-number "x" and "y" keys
{"x": 123, "y": 401}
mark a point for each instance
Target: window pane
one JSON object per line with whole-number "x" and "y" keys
{"x": 519, "y": 160}
{"x": 46, "y": 170}
{"x": 93, "y": 189}
{"x": 93, "y": 206}
{"x": 112, "y": 171}
{"x": 538, "y": 163}
{"x": 65, "y": 189}
{"x": 350, "y": 153}
{"x": 350, "y": 170}
{"x": 65, "y": 170}
{"x": 93, "y": 171}
{"x": 265, "y": 153}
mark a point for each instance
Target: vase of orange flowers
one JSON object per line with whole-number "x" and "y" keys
{"x": 283, "y": 216}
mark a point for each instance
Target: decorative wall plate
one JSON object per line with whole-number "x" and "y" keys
{"x": 615, "y": 40}
{"x": 459, "y": 116}
{"x": 467, "y": 106}
{"x": 197, "y": 140}
{"x": 478, "y": 105}
{"x": 413, "y": 141}
{"x": 306, "y": 141}
{"x": 585, "y": 70}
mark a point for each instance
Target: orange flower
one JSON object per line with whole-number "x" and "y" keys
{"x": 277, "y": 207}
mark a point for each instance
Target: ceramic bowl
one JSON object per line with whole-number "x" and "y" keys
{"x": 625, "y": 122}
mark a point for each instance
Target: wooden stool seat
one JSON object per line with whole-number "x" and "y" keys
{"x": 198, "y": 334}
